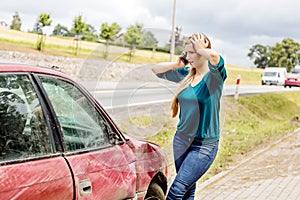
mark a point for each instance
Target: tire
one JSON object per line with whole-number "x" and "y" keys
{"x": 155, "y": 192}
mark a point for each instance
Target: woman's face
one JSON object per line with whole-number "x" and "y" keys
{"x": 192, "y": 56}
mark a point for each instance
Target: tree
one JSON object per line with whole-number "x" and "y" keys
{"x": 61, "y": 30}
{"x": 79, "y": 27}
{"x": 16, "y": 22}
{"x": 37, "y": 28}
{"x": 133, "y": 37}
{"x": 109, "y": 33}
{"x": 90, "y": 33}
{"x": 260, "y": 55}
{"x": 149, "y": 40}
{"x": 285, "y": 54}
{"x": 179, "y": 41}
{"x": 44, "y": 20}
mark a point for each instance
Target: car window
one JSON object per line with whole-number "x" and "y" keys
{"x": 23, "y": 129}
{"x": 296, "y": 71}
{"x": 81, "y": 124}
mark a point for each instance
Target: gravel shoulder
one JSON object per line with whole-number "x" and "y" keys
{"x": 83, "y": 69}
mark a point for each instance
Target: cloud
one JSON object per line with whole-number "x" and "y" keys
{"x": 235, "y": 25}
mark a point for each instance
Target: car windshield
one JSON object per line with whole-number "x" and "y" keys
{"x": 270, "y": 73}
{"x": 294, "y": 76}
{"x": 296, "y": 71}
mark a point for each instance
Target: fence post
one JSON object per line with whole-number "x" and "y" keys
{"x": 236, "y": 94}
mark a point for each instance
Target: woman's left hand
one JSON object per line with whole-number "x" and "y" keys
{"x": 201, "y": 47}
{"x": 199, "y": 42}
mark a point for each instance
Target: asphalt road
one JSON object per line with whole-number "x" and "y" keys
{"x": 126, "y": 94}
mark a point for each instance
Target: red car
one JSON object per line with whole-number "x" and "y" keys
{"x": 292, "y": 80}
{"x": 57, "y": 142}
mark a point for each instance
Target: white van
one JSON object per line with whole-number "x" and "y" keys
{"x": 273, "y": 76}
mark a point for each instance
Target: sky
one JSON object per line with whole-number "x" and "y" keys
{"x": 233, "y": 26}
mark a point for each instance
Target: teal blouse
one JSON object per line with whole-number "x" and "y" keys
{"x": 200, "y": 104}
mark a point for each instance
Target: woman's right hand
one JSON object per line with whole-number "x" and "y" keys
{"x": 167, "y": 66}
{"x": 183, "y": 58}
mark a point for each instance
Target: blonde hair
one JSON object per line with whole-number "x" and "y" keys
{"x": 186, "y": 81}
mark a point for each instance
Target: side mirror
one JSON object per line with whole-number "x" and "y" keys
{"x": 114, "y": 139}
{"x": 112, "y": 136}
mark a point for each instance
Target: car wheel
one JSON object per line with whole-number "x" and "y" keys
{"x": 155, "y": 192}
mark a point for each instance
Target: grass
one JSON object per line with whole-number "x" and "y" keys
{"x": 253, "y": 121}
{"x": 58, "y": 46}
{"x": 15, "y": 42}
{"x": 165, "y": 135}
{"x": 248, "y": 76}
{"x": 69, "y": 51}
{"x": 51, "y": 49}
{"x": 141, "y": 120}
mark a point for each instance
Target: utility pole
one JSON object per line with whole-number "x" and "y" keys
{"x": 172, "y": 49}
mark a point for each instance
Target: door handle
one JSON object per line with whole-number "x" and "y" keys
{"x": 85, "y": 187}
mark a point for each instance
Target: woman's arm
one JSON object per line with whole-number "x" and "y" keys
{"x": 212, "y": 56}
{"x": 167, "y": 66}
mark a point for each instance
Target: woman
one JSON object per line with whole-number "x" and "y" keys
{"x": 196, "y": 140}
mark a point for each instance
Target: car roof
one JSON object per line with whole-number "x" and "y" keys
{"x": 16, "y": 67}
{"x": 275, "y": 69}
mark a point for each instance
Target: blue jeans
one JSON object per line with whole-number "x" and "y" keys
{"x": 192, "y": 160}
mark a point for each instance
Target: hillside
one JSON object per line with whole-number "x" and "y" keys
{"x": 18, "y": 47}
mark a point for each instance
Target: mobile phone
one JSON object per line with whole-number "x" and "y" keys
{"x": 183, "y": 58}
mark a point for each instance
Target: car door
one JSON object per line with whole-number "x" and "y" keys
{"x": 101, "y": 168}
{"x": 30, "y": 165}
